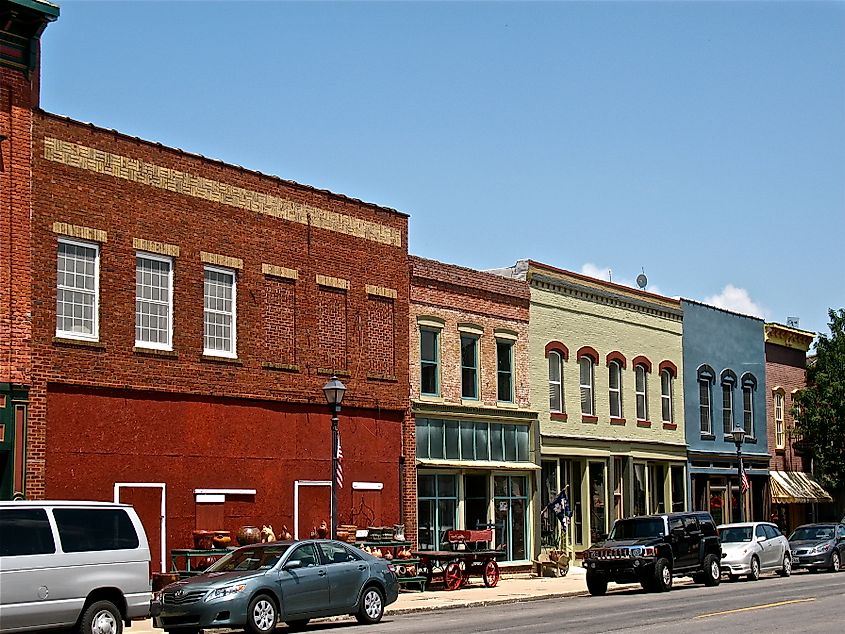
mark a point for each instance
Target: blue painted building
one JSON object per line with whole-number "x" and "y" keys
{"x": 725, "y": 387}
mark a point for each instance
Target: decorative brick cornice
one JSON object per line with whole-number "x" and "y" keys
{"x": 789, "y": 337}
{"x": 152, "y": 175}
{"x": 557, "y": 346}
{"x": 279, "y": 271}
{"x": 162, "y": 248}
{"x": 76, "y": 231}
{"x": 643, "y": 361}
{"x": 381, "y": 291}
{"x": 221, "y": 260}
{"x": 332, "y": 282}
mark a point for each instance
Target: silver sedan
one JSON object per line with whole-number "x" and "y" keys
{"x": 752, "y": 548}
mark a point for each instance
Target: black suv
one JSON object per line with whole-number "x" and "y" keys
{"x": 651, "y": 549}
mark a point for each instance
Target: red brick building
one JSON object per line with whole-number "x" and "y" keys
{"x": 473, "y": 438}
{"x": 794, "y": 491}
{"x": 167, "y": 323}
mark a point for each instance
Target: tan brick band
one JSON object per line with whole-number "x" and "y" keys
{"x": 279, "y": 271}
{"x": 144, "y": 173}
{"x": 221, "y": 260}
{"x": 75, "y": 231}
{"x": 332, "y": 282}
{"x": 381, "y": 291}
{"x": 162, "y": 248}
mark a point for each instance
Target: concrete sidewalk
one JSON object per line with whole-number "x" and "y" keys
{"x": 511, "y": 589}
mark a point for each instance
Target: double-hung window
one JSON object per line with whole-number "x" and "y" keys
{"x": 642, "y": 392}
{"x": 220, "y": 315}
{"x": 469, "y": 367}
{"x": 555, "y": 382}
{"x": 705, "y": 404}
{"x": 614, "y": 371}
{"x": 587, "y": 375}
{"x": 429, "y": 361}
{"x": 504, "y": 371}
{"x": 727, "y": 407}
{"x": 666, "y": 395}
{"x": 78, "y": 290}
{"x": 748, "y": 410}
{"x": 779, "y": 432}
{"x": 153, "y": 301}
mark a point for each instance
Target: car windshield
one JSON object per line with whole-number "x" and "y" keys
{"x": 637, "y": 528}
{"x": 733, "y": 534}
{"x": 812, "y": 533}
{"x": 258, "y": 558}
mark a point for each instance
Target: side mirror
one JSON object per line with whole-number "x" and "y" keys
{"x": 293, "y": 564}
{"x": 761, "y": 538}
{"x": 602, "y": 536}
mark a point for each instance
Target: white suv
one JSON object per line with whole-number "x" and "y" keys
{"x": 752, "y": 548}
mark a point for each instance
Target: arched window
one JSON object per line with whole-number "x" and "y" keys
{"x": 586, "y": 366}
{"x": 780, "y": 435}
{"x": 555, "y": 382}
{"x": 728, "y": 385}
{"x": 749, "y": 386}
{"x": 640, "y": 374}
{"x": 706, "y": 376}
{"x": 614, "y": 375}
{"x": 666, "y": 404}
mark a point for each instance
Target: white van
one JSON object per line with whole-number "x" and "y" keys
{"x": 82, "y": 564}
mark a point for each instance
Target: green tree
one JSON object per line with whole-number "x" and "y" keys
{"x": 820, "y": 407}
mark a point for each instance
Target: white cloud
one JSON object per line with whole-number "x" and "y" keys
{"x": 737, "y": 300}
{"x": 605, "y": 273}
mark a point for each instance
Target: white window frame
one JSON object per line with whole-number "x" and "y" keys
{"x": 511, "y": 344}
{"x": 95, "y": 335}
{"x": 780, "y": 435}
{"x": 706, "y": 384}
{"x": 222, "y": 353}
{"x": 748, "y": 388}
{"x": 615, "y": 392}
{"x": 639, "y": 368}
{"x": 557, "y": 386}
{"x": 667, "y": 395}
{"x": 436, "y": 363}
{"x": 588, "y": 386}
{"x": 169, "y": 261}
{"x": 728, "y": 388}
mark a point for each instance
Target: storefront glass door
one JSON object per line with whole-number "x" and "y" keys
{"x": 598, "y": 497}
{"x": 656, "y": 483}
{"x": 510, "y": 497}
{"x": 437, "y": 509}
{"x": 717, "y": 504}
{"x": 476, "y": 501}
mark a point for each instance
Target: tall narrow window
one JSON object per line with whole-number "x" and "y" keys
{"x": 779, "y": 432}
{"x": 614, "y": 371}
{"x": 704, "y": 406}
{"x": 469, "y": 366}
{"x": 748, "y": 410}
{"x": 727, "y": 407}
{"x": 504, "y": 370}
{"x": 220, "y": 312}
{"x": 585, "y": 365}
{"x": 78, "y": 290}
{"x": 153, "y": 301}
{"x": 666, "y": 396}
{"x": 555, "y": 382}
{"x": 642, "y": 393}
{"x": 429, "y": 362}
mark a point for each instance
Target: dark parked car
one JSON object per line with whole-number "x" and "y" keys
{"x": 257, "y": 586}
{"x": 652, "y": 549}
{"x": 816, "y": 546}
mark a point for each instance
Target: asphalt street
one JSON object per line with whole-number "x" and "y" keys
{"x": 802, "y": 603}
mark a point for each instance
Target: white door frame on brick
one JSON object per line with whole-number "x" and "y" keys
{"x": 296, "y": 485}
{"x": 150, "y": 485}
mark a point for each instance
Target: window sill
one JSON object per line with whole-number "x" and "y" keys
{"x": 748, "y": 440}
{"x": 617, "y": 421}
{"x": 280, "y": 367}
{"x": 386, "y": 378}
{"x": 331, "y": 372}
{"x": 780, "y": 450}
{"x": 643, "y": 423}
{"x": 155, "y": 352}
{"x": 708, "y": 437}
{"x": 82, "y": 343}
{"x": 670, "y": 426}
{"x": 558, "y": 416}
{"x": 225, "y": 360}
{"x": 586, "y": 418}
{"x": 507, "y": 404}
{"x": 432, "y": 398}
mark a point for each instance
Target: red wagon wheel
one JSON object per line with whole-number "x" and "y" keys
{"x": 453, "y": 576}
{"x": 491, "y": 574}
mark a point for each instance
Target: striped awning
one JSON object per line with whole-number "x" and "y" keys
{"x": 796, "y": 487}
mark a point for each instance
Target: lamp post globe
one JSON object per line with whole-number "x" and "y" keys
{"x": 333, "y": 391}
{"x": 738, "y": 436}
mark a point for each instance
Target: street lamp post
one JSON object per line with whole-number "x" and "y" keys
{"x": 334, "y": 390}
{"x": 738, "y": 435}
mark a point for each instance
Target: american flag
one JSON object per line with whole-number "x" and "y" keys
{"x": 743, "y": 483}
{"x": 339, "y": 464}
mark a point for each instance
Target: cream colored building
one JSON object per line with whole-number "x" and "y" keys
{"x": 605, "y": 364}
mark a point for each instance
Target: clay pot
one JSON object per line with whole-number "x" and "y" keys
{"x": 323, "y": 530}
{"x": 248, "y": 535}
{"x": 285, "y": 534}
{"x": 554, "y": 555}
{"x": 163, "y": 579}
{"x": 203, "y": 540}
{"x": 399, "y": 532}
{"x": 221, "y": 541}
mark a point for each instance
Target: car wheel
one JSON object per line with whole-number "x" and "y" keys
{"x": 101, "y": 617}
{"x": 786, "y": 570}
{"x": 835, "y": 562}
{"x": 372, "y": 606}
{"x": 712, "y": 572}
{"x": 261, "y": 616}
{"x": 596, "y": 584}
{"x": 297, "y": 625}
{"x": 662, "y": 575}
{"x": 754, "y": 575}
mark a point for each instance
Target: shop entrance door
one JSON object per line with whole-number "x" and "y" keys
{"x": 511, "y": 501}
{"x": 312, "y": 504}
{"x": 717, "y": 503}
{"x": 150, "y": 502}
{"x": 476, "y": 501}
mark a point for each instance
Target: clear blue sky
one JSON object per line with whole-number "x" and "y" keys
{"x": 702, "y": 142}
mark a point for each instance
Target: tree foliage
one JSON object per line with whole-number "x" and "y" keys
{"x": 820, "y": 408}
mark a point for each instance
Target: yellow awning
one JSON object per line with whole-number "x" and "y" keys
{"x": 796, "y": 487}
